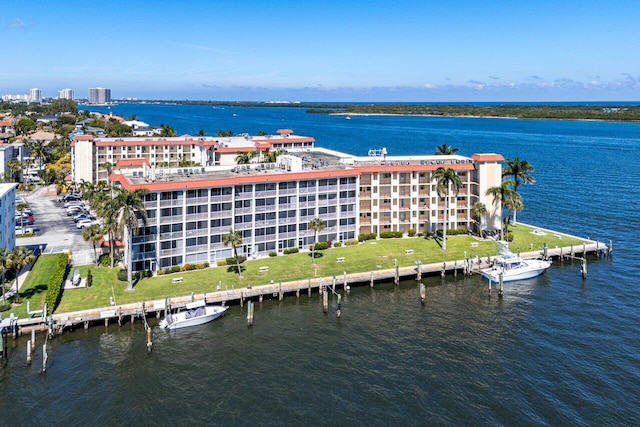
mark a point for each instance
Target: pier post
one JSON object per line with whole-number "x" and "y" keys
{"x": 572, "y": 251}
{"x": 106, "y": 322}
{"x": 86, "y": 325}
{"x": 419, "y": 270}
{"x": 309, "y": 289}
{"x": 280, "y": 293}
{"x": 561, "y": 254}
{"x": 500, "y": 280}
{"x": 29, "y": 353}
{"x": 455, "y": 268}
{"x": 33, "y": 339}
{"x": 45, "y": 356}
{"x": 610, "y": 249}
{"x": 583, "y": 267}
{"x": 260, "y": 298}
{"x": 325, "y": 300}
{"x": 149, "y": 342}
{"x": 371, "y": 280}
{"x": 489, "y": 286}
{"x": 241, "y": 299}
{"x": 298, "y": 293}
{"x": 397, "y": 276}
{"x": 119, "y": 316}
{"x": 250, "y": 313}
{"x": 444, "y": 268}
{"x": 345, "y": 288}
{"x": 5, "y": 347}
{"x": 133, "y": 318}
{"x": 339, "y": 311}
{"x": 423, "y": 293}
{"x": 545, "y": 251}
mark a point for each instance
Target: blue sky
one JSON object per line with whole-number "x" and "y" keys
{"x": 417, "y": 51}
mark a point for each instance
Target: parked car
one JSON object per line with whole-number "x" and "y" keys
{"x": 75, "y": 210}
{"x": 84, "y": 223}
{"x": 73, "y": 203}
{"x": 23, "y": 230}
{"x": 82, "y": 216}
{"x": 21, "y": 222}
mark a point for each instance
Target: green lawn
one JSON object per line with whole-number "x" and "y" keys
{"x": 368, "y": 256}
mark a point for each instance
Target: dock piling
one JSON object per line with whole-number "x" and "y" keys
{"x": 339, "y": 311}
{"x": 583, "y": 267}
{"x": 500, "y": 291}
{"x": 250, "y": 313}
{"x": 28, "y": 352}
{"x": 423, "y": 293}
{"x": 325, "y": 300}
{"x": 33, "y": 339}
{"x": 371, "y": 281}
{"x": 149, "y": 342}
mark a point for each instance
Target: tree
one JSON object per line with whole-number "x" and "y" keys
{"x": 17, "y": 259}
{"x": 201, "y": 132}
{"x": 20, "y": 207}
{"x": 167, "y": 131}
{"x": 93, "y": 234}
{"x": 24, "y": 126}
{"x": 128, "y": 209}
{"x": 518, "y": 170}
{"x": 38, "y": 149}
{"x": 444, "y": 149}
{"x": 501, "y": 194}
{"x": 223, "y": 133}
{"x": 447, "y": 182}
{"x": 272, "y": 156}
{"x": 478, "y": 211}
{"x": 234, "y": 238}
{"x": 13, "y": 172}
{"x": 316, "y": 224}
{"x": 3, "y": 269}
{"x": 514, "y": 204}
{"x": 108, "y": 167}
{"x": 244, "y": 158}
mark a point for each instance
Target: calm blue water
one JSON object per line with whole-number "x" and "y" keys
{"x": 554, "y": 351}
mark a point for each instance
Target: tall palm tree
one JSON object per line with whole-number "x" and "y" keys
{"x": 514, "y": 204}
{"x": 444, "y": 149}
{"x": 108, "y": 167}
{"x": 519, "y": 171}
{"x": 38, "y": 149}
{"x": 501, "y": 194}
{"x": 3, "y": 269}
{"x": 447, "y": 182}
{"x": 14, "y": 168}
{"x": 316, "y": 224}
{"x": 234, "y": 238}
{"x": 478, "y": 211}
{"x": 17, "y": 259}
{"x": 129, "y": 210}
{"x": 93, "y": 234}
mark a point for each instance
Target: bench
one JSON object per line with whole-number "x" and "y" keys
{"x": 474, "y": 244}
{"x": 340, "y": 259}
{"x": 409, "y": 252}
{"x": 177, "y": 280}
{"x": 263, "y": 269}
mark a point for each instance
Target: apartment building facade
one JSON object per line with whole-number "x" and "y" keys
{"x": 7, "y": 216}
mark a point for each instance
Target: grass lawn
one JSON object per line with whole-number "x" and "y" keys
{"x": 367, "y": 256}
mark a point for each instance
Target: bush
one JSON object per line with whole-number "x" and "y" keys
{"x": 273, "y": 254}
{"x": 232, "y": 260}
{"x": 221, "y": 262}
{"x": 54, "y": 285}
{"x": 122, "y": 275}
{"x": 366, "y": 236}
{"x": 291, "y": 251}
{"x": 160, "y": 272}
{"x": 509, "y": 237}
{"x": 167, "y": 270}
{"x": 176, "y": 269}
{"x": 351, "y": 243}
{"x": 390, "y": 234}
{"x": 411, "y": 232}
{"x": 453, "y": 232}
{"x": 337, "y": 244}
{"x": 105, "y": 260}
{"x": 89, "y": 278}
{"x": 320, "y": 246}
{"x": 186, "y": 267}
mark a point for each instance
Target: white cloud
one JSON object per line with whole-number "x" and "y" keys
{"x": 16, "y": 23}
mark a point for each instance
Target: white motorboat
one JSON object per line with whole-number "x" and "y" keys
{"x": 512, "y": 267}
{"x": 196, "y": 313}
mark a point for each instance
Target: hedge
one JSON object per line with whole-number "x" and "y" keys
{"x": 54, "y": 285}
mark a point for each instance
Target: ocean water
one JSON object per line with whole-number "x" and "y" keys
{"x": 555, "y": 350}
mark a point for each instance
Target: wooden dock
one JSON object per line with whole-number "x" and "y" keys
{"x": 57, "y": 323}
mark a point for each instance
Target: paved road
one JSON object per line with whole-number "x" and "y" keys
{"x": 56, "y": 232}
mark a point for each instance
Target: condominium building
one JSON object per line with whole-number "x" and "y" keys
{"x": 7, "y": 216}
{"x": 99, "y": 95}
{"x": 66, "y": 94}
{"x": 190, "y": 209}
{"x": 35, "y": 95}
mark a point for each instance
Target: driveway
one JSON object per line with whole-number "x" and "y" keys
{"x": 55, "y": 231}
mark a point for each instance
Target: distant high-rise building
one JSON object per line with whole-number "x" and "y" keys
{"x": 66, "y": 94}
{"x": 99, "y": 95}
{"x": 35, "y": 95}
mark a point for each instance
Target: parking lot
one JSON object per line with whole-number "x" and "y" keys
{"x": 55, "y": 231}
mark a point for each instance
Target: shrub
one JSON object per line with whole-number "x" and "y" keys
{"x": 390, "y": 234}
{"x": 54, "y": 284}
{"x": 337, "y": 244}
{"x": 509, "y": 237}
{"x": 176, "y": 269}
{"x": 221, "y": 262}
{"x": 273, "y": 254}
{"x": 122, "y": 275}
{"x": 160, "y": 272}
{"x": 291, "y": 251}
{"x": 411, "y": 232}
{"x": 351, "y": 243}
{"x": 320, "y": 246}
{"x": 232, "y": 260}
{"x": 203, "y": 265}
{"x": 366, "y": 236}
{"x": 453, "y": 232}
{"x": 105, "y": 260}
{"x": 89, "y": 278}
{"x": 187, "y": 267}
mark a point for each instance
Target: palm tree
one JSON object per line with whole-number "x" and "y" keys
{"x": 108, "y": 167}
{"x": 38, "y": 149}
{"x": 478, "y": 211}
{"x": 272, "y": 156}
{"x": 514, "y": 204}
{"x": 234, "y": 238}
{"x": 444, "y": 149}
{"x": 518, "y": 170}
{"x": 17, "y": 259}
{"x": 3, "y": 269}
{"x": 167, "y": 131}
{"x": 501, "y": 194}
{"x": 316, "y": 224}
{"x": 447, "y": 182}
{"x": 128, "y": 210}
{"x": 244, "y": 158}
{"x": 14, "y": 168}
{"x": 93, "y": 234}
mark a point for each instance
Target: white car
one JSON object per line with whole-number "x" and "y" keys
{"x": 85, "y": 223}
{"x": 20, "y": 231}
{"x": 73, "y": 203}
